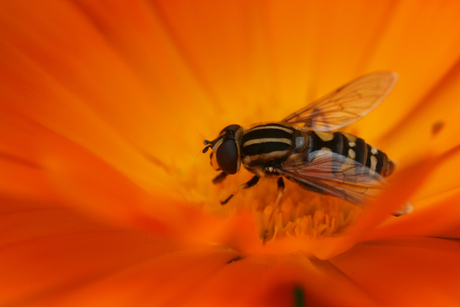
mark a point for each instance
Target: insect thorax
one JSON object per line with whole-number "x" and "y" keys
{"x": 268, "y": 142}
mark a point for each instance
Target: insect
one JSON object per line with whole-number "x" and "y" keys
{"x": 305, "y": 148}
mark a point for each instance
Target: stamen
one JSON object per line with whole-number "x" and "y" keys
{"x": 303, "y": 214}
{"x": 298, "y": 213}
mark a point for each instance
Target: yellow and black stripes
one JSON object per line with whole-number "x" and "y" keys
{"x": 267, "y": 139}
{"x": 351, "y": 147}
{"x": 378, "y": 161}
{"x": 275, "y": 141}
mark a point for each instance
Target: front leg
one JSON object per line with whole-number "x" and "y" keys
{"x": 246, "y": 185}
{"x": 219, "y": 178}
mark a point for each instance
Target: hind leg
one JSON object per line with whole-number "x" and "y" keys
{"x": 281, "y": 189}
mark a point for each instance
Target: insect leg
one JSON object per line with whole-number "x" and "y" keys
{"x": 281, "y": 189}
{"x": 219, "y": 178}
{"x": 246, "y": 185}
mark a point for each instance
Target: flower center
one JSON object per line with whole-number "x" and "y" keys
{"x": 299, "y": 213}
{"x": 302, "y": 213}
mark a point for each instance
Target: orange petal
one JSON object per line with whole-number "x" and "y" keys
{"x": 273, "y": 58}
{"x": 264, "y": 280}
{"x": 39, "y": 165}
{"x": 82, "y": 88}
{"x": 402, "y": 186}
{"x": 405, "y": 271}
{"x": 46, "y": 251}
{"x": 402, "y": 47}
{"x": 432, "y": 127}
{"x": 439, "y": 219}
{"x": 170, "y": 279}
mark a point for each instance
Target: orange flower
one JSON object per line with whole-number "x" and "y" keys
{"x": 107, "y": 201}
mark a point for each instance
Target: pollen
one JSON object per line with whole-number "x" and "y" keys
{"x": 302, "y": 214}
{"x": 299, "y": 213}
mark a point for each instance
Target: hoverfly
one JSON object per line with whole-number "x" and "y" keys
{"x": 304, "y": 148}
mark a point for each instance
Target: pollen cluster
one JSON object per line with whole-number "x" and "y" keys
{"x": 300, "y": 213}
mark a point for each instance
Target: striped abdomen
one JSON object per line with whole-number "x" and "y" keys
{"x": 264, "y": 143}
{"x": 267, "y": 142}
{"x": 352, "y": 147}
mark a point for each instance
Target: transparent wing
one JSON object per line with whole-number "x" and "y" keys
{"x": 347, "y": 104}
{"x": 333, "y": 174}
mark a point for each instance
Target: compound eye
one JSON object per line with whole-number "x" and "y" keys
{"x": 227, "y": 156}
